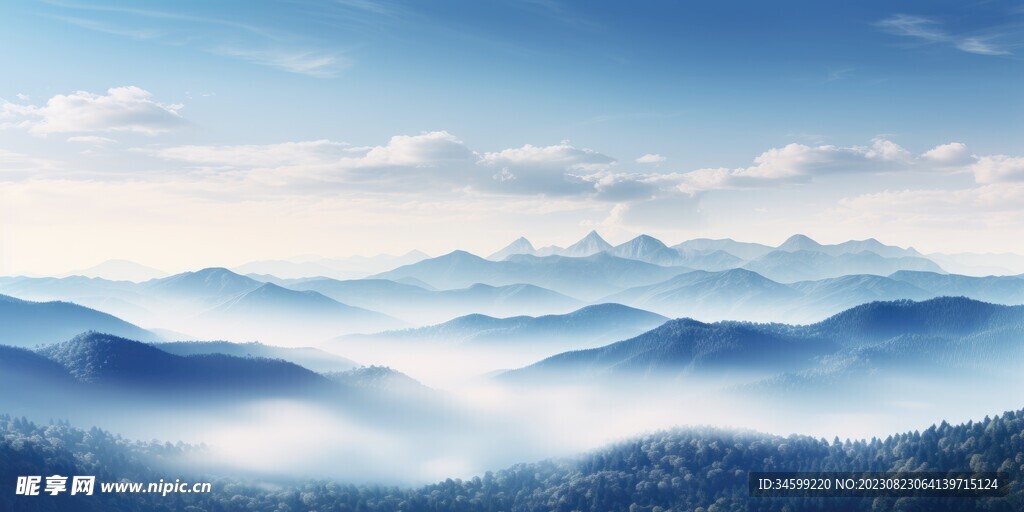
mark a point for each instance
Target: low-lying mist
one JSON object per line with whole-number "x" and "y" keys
{"x": 469, "y": 423}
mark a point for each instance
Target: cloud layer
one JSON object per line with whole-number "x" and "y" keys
{"x": 931, "y": 31}
{"x": 124, "y": 109}
{"x": 440, "y": 161}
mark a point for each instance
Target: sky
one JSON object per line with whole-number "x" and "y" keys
{"x": 190, "y": 134}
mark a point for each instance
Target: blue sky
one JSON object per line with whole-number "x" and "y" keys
{"x": 282, "y": 120}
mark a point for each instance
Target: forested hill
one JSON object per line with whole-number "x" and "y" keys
{"x": 679, "y": 470}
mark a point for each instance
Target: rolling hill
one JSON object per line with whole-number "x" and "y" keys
{"x": 685, "y": 346}
{"x": 1000, "y": 289}
{"x": 27, "y": 324}
{"x": 379, "y": 379}
{"x": 270, "y": 312}
{"x": 685, "y": 468}
{"x": 826, "y": 297}
{"x": 734, "y": 293}
{"x": 587, "y": 326}
{"x": 102, "y": 359}
{"x": 314, "y": 359}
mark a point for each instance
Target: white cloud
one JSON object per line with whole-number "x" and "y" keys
{"x": 92, "y": 139}
{"x": 429, "y": 149}
{"x": 426, "y": 149}
{"x": 980, "y": 47}
{"x": 650, "y": 158}
{"x": 914, "y": 26}
{"x": 562, "y": 155}
{"x": 609, "y": 186}
{"x": 437, "y": 161}
{"x": 931, "y": 31}
{"x": 442, "y": 163}
{"x": 887, "y": 150}
{"x": 22, "y": 97}
{"x": 128, "y": 109}
{"x": 259, "y": 155}
{"x": 303, "y": 62}
{"x": 998, "y": 168}
{"x": 705, "y": 179}
{"x": 954, "y": 153}
{"x": 797, "y": 163}
{"x": 557, "y": 170}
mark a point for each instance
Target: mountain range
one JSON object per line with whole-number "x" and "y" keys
{"x": 799, "y": 281}
{"x": 799, "y": 258}
{"x": 586, "y": 278}
{"x": 808, "y": 265}
{"x": 974, "y": 330}
{"x": 420, "y": 305}
{"x": 121, "y": 298}
{"x": 120, "y": 270}
{"x": 204, "y": 302}
{"x": 744, "y": 294}
{"x": 589, "y": 245}
{"x": 585, "y": 327}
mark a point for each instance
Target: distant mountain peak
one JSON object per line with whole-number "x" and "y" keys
{"x": 647, "y": 240}
{"x": 415, "y": 253}
{"x": 799, "y": 242}
{"x": 208, "y": 282}
{"x": 121, "y": 270}
{"x": 91, "y": 338}
{"x": 588, "y": 245}
{"x": 648, "y": 249}
{"x": 459, "y": 253}
{"x": 210, "y": 273}
{"x": 213, "y": 271}
{"x": 519, "y": 246}
{"x": 269, "y": 289}
{"x": 270, "y": 294}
